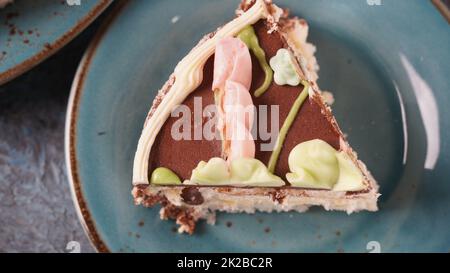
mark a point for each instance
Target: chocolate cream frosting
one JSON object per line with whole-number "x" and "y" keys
{"x": 184, "y": 155}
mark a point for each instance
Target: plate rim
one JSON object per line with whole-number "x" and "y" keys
{"x": 19, "y": 69}
{"x": 71, "y": 159}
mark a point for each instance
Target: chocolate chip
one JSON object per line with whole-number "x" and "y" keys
{"x": 192, "y": 196}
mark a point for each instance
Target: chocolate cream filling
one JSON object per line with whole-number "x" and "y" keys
{"x": 184, "y": 155}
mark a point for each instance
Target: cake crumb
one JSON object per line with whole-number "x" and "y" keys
{"x": 328, "y": 97}
{"x": 175, "y": 19}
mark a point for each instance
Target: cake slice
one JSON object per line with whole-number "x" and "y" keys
{"x": 241, "y": 126}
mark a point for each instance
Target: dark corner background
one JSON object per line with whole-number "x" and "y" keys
{"x": 36, "y": 210}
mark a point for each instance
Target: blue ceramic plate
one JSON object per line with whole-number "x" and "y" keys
{"x": 31, "y": 31}
{"x": 388, "y": 67}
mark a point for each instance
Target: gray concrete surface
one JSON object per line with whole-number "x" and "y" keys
{"x": 36, "y": 210}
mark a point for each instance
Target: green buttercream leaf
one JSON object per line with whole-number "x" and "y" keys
{"x": 241, "y": 172}
{"x": 350, "y": 177}
{"x": 213, "y": 172}
{"x": 315, "y": 164}
{"x": 164, "y": 176}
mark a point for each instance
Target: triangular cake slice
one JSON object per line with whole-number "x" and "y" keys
{"x": 202, "y": 150}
